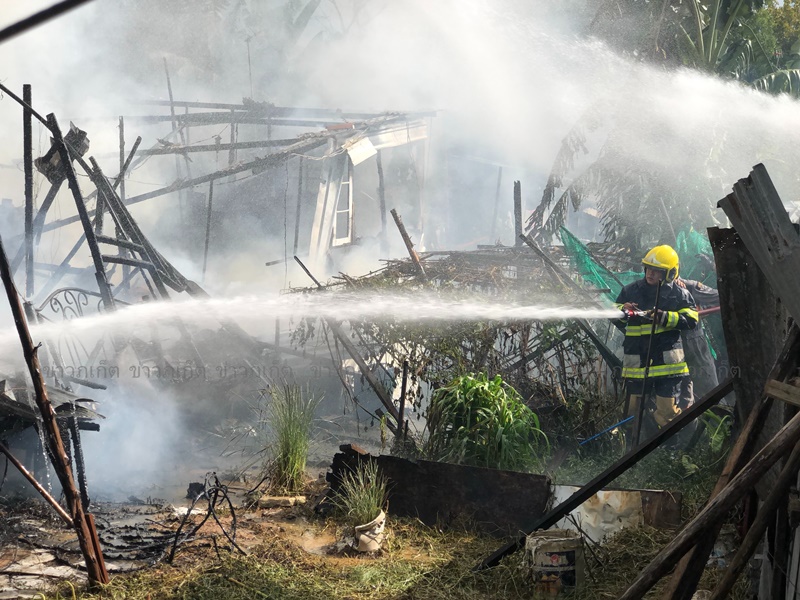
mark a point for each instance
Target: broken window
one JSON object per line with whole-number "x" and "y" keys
{"x": 343, "y": 218}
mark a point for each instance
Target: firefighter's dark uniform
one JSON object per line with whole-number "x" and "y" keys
{"x": 667, "y": 363}
{"x": 702, "y": 368}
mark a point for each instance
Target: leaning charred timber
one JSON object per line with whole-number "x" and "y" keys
{"x": 82, "y": 522}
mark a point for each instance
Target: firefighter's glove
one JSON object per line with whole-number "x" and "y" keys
{"x": 660, "y": 317}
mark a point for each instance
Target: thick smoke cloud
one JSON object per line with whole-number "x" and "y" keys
{"x": 509, "y": 79}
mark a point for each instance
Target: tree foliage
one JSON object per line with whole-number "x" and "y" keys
{"x": 646, "y": 201}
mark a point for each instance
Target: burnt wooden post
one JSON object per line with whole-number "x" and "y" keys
{"x": 401, "y": 411}
{"x": 95, "y": 566}
{"x": 121, "y": 183}
{"x": 179, "y": 131}
{"x": 497, "y": 204}
{"x": 27, "y": 136}
{"x": 66, "y": 161}
{"x": 382, "y": 199}
{"x": 517, "y": 213}
{"x": 300, "y": 165}
{"x": 232, "y": 150}
{"x": 208, "y": 226}
{"x": 409, "y": 245}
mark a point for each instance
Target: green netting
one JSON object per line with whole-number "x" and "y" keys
{"x": 694, "y": 251}
{"x": 591, "y": 270}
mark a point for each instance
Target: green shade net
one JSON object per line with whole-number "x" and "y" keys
{"x": 694, "y": 252}
{"x": 591, "y": 271}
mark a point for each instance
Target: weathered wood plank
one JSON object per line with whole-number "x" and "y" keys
{"x": 784, "y": 392}
{"x": 757, "y": 212}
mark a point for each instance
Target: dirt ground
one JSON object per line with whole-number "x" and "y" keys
{"x": 39, "y": 553}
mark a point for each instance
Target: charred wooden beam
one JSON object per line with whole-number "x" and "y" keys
{"x": 94, "y": 560}
{"x": 611, "y": 473}
{"x": 783, "y": 391}
{"x": 50, "y": 268}
{"x": 36, "y": 485}
{"x": 36, "y": 226}
{"x": 407, "y": 241}
{"x": 131, "y": 262}
{"x": 122, "y": 243}
{"x": 285, "y": 111}
{"x": 66, "y": 161}
{"x": 302, "y": 146}
{"x": 690, "y": 568}
{"x": 61, "y": 270}
{"x": 28, "y": 162}
{"x": 184, "y": 149}
{"x": 40, "y": 17}
{"x": 221, "y": 118}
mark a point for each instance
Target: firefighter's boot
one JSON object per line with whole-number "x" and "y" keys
{"x": 666, "y": 410}
{"x": 633, "y": 406}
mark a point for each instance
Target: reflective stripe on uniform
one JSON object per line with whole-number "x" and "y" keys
{"x": 690, "y": 313}
{"x": 640, "y": 330}
{"x": 674, "y": 369}
{"x": 672, "y": 319}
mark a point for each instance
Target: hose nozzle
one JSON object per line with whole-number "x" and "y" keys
{"x": 630, "y": 313}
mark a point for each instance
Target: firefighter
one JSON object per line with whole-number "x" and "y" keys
{"x": 702, "y": 368}
{"x": 676, "y": 311}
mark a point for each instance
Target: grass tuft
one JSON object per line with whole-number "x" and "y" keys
{"x": 363, "y": 493}
{"x": 292, "y": 415}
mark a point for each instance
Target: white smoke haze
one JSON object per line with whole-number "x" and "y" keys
{"x": 140, "y": 449}
{"x": 508, "y": 78}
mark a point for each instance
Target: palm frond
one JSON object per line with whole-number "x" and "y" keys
{"x": 785, "y": 81}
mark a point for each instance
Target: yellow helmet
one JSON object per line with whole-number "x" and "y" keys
{"x": 664, "y": 258}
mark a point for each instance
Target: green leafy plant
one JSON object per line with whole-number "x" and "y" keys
{"x": 483, "y": 422}
{"x": 291, "y": 416}
{"x": 363, "y": 493}
{"x": 718, "y": 428}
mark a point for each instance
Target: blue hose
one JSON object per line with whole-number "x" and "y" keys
{"x": 606, "y": 430}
